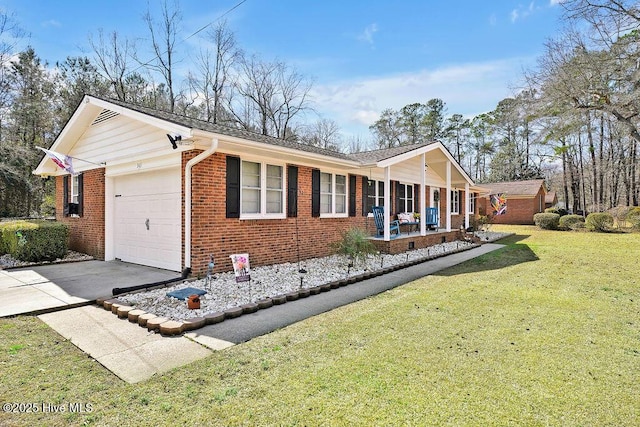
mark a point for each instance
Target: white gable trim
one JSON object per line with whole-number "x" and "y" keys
{"x": 426, "y": 149}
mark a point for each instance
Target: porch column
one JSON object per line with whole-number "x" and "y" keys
{"x": 423, "y": 196}
{"x": 448, "y": 206}
{"x": 467, "y": 204}
{"x": 387, "y": 203}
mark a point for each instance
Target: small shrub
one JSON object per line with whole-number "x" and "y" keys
{"x": 560, "y": 211}
{"x": 633, "y": 218}
{"x": 480, "y": 223}
{"x": 571, "y": 222}
{"x": 547, "y": 221}
{"x": 355, "y": 244}
{"x": 34, "y": 241}
{"x": 599, "y": 221}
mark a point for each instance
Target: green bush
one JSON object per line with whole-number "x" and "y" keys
{"x": 34, "y": 241}
{"x": 599, "y": 221}
{"x": 355, "y": 244}
{"x": 571, "y": 222}
{"x": 547, "y": 221}
{"x": 633, "y": 217}
{"x": 560, "y": 211}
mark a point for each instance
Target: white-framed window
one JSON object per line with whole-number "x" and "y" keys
{"x": 455, "y": 201}
{"x": 405, "y": 197}
{"x": 333, "y": 194}
{"x": 472, "y": 202}
{"x": 262, "y": 190}
{"x": 375, "y": 194}
{"x": 74, "y": 189}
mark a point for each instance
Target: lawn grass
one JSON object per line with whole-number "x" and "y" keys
{"x": 545, "y": 331}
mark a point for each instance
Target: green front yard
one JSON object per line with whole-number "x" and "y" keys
{"x": 543, "y": 332}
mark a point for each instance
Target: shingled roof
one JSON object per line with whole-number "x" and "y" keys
{"x": 364, "y": 158}
{"x": 516, "y": 188}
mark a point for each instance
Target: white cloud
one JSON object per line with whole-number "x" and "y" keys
{"x": 521, "y": 12}
{"x": 467, "y": 89}
{"x": 52, "y": 23}
{"x": 367, "y": 34}
{"x": 514, "y": 15}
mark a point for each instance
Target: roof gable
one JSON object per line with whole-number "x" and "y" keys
{"x": 513, "y": 188}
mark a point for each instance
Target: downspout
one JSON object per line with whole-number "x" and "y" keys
{"x": 187, "y": 199}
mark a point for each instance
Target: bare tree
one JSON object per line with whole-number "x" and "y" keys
{"x": 324, "y": 133}
{"x": 268, "y": 96}
{"x": 163, "y": 43}
{"x": 113, "y": 58}
{"x": 213, "y": 67}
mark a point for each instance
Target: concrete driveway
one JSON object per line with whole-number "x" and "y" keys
{"x": 40, "y": 289}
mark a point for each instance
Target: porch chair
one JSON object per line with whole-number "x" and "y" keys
{"x": 378, "y": 217}
{"x": 431, "y": 218}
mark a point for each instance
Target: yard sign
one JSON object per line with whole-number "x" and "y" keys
{"x": 241, "y": 267}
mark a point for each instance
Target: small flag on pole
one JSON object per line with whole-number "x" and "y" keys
{"x": 60, "y": 159}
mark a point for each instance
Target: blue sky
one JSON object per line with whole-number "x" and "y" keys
{"x": 363, "y": 55}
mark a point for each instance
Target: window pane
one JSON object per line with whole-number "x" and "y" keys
{"x": 325, "y": 203}
{"x": 410, "y": 191}
{"x": 274, "y": 201}
{"x": 325, "y": 182}
{"x": 341, "y": 204}
{"x": 250, "y": 174}
{"x": 274, "y": 177}
{"x": 250, "y": 201}
{"x": 341, "y": 184}
{"x": 402, "y": 205}
{"x": 409, "y": 205}
{"x": 74, "y": 189}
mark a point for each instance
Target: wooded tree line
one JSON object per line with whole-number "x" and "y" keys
{"x": 575, "y": 123}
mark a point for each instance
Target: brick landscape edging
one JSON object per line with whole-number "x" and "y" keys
{"x": 169, "y": 327}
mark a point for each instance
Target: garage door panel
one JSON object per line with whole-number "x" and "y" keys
{"x": 148, "y": 219}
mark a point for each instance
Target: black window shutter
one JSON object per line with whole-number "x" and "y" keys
{"x": 416, "y": 197}
{"x": 80, "y": 193}
{"x": 292, "y": 191}
{"x": 65, "y": 195}
{"x": 365, "y": 196}
{"x": 352, "y": 195}
{"x": 399, "y": 194}
{"x": 315, "y": 192}
{"x": 233, "y": 187}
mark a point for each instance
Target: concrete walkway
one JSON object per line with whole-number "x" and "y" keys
{"x": 38, "y": 289}
{"x": 124, "y": 348}
{"x": 134, "y": 354}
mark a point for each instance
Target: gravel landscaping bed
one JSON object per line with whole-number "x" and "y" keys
{"x": 7, "y": 261}
{"x": 223, "y": 293}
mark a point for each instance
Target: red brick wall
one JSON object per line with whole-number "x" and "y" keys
{"x": 86, "y": 232}
{"x": 267, "y": 241}
{"x": 519, "y": 210}
{"x": 399, "y": 245}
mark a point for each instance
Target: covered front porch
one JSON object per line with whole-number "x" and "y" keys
{"x": 415, "y": 184}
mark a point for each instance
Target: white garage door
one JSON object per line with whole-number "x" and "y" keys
{"x": 148, "y": 219}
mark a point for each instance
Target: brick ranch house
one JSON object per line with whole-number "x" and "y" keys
{"x": 524, "y": 200}
{"x": 141, "y": 198}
